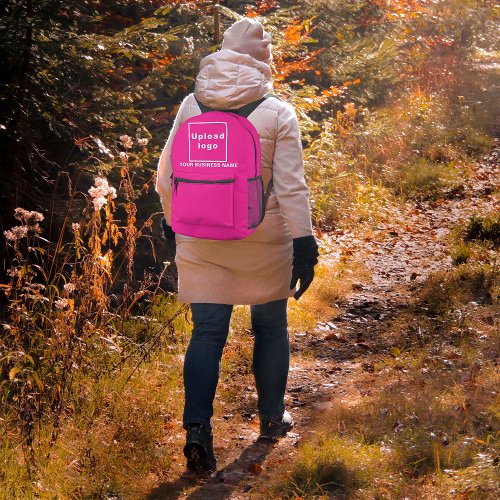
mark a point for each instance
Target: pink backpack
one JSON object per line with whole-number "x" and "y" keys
{"x": 217, "y": 187}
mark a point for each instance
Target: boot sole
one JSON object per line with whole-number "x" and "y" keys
{"x": 197, "y": 458}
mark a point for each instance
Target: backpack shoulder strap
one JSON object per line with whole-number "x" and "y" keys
{"x": 270, "y": 185}
{"x": 244, "y": 111}
{"x": 249, "y": 108}
{"x": 204, "y": 109}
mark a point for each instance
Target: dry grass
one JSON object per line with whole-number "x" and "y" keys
{"x": 421, "y": 431}
{"x": 427, "y": 424}
{"x": 418, "y": 146}
{"x": 114, "y": 438}
{"x": 337, "y": 464}
{"x": 331, "y": 285}
{"x": 119, "y": 428}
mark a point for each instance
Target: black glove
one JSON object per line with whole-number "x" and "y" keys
{"x": 167, "y": 230}
{"x": 305, "y": 257}
{"x": 170, "y": 236}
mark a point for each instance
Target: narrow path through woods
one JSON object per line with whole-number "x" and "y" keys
{"x": 327, "y": 363}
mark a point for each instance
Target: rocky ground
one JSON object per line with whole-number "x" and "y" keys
{"x": 330, "y": 363}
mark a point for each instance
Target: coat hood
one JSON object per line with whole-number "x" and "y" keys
{"x": 229, "y": 80}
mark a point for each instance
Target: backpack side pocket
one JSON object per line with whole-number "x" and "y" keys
{"x": 255, "y": 201}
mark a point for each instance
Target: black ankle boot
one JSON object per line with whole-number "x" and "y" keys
{"x": 274, "y": 429}
{"x": 199, "y": 449}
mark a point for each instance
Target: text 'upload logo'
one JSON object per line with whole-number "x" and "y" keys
{"x": 208, "y": 141}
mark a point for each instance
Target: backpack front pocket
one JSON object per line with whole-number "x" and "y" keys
{"x": 206, "y": 202}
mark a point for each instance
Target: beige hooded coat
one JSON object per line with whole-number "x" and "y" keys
{"x": 258, "y": 268}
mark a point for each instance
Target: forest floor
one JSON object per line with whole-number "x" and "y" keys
{"x": 336, "y": 363}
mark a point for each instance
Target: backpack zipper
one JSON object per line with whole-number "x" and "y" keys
{"x": 194, "y": 181}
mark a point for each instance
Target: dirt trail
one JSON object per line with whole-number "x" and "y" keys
{"x": 327, "y": 362}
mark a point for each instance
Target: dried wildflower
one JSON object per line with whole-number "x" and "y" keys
{"x": 126, "y": 141}
{"x": 37, "y": 286}
{"x": 16, "y": 233}
{"x": 20, "y": 213}
{"x": 69, "y": 288}
{"x": 75, "y": 227}
{"x": 143, "y": 142}
{"x": 99, "y": 203}
{"x": 104, "y": 258}
{"x": 100, "y": 192}
{"x": 123, "y": 156}
{"x": 61, "y": 303}
{"x": 27, "y": 216}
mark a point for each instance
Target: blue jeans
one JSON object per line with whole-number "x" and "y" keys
{"x": 271, "y": 358}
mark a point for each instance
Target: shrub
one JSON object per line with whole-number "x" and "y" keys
{"x": 485, "y": 228}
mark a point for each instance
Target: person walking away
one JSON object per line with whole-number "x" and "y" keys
{"x": 261, "y": 270}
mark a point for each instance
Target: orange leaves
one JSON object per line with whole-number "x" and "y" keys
{"x": 262, "y": 7}
{"x": 160, "y": 59}
{"x": 285, "y": 68}
{"x": 293, "y": 34}
{"x": 291, "y": 56}
{"x": 333, "y": 91}
{"x": 296, "y": 33}
{"x": 165, "y": 60}
{"x": 292, "y": 61}
{"x": 338, "y": 90}
{"x": 393, "y": 10}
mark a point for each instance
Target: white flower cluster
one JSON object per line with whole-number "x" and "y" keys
{"x": 30, "y": 219}
{"x": 61, "y": 303}
{"x": 126, "y": 141}
{"x": 16, "y": 233}
{"x": 100, "y": 192}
